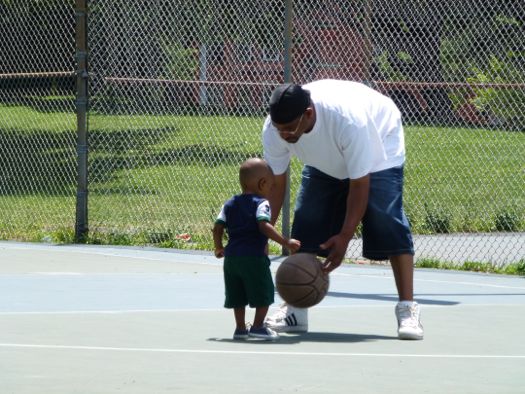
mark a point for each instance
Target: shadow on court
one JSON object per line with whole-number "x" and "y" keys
{"x": 101, "y": 320}
{"x": 387, "y": 297}
{"x": 320, "y": 337}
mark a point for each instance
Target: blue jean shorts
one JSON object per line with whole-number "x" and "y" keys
{"x": 320, "y": 210}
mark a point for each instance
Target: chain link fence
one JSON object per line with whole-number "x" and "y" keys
{"x": 178, "y": 93}
{"x": 37, "y": 119}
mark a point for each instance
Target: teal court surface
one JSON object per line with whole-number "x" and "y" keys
{"x": 91, "y": 319}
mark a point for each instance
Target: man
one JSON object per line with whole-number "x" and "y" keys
{"x": 350, "y": 139}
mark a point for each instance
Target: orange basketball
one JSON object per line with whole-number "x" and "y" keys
{"x": 300, "y": 280}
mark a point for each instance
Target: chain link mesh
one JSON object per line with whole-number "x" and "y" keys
{"x": 37, "y": 120}
{"x": 178, "y": 94}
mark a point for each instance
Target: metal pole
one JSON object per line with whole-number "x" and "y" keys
{"x": 288, "y": 29}
{"x": 81, "y": 221}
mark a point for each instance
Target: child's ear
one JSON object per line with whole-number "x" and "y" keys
{"x": 261, "y": 183}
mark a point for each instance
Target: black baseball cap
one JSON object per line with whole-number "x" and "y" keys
{"x": 288, "y": 102}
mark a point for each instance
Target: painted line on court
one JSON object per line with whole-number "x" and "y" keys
{"x": 472, "y": 284}
{"x": 258, "y": 353}
{"x": 110, "y": 312}
{"x": 132, "y": 311}
{"x": 87, "y": 274}
{"x": 131, "y": 253}
{"x": 477, "y": 284}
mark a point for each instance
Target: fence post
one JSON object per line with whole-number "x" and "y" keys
{"x": 288, "y": 29}
{"x": 81, "y": 220}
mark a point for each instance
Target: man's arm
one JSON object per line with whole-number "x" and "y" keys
{"x": 277, "y": 197}
{"x": 356, "y": 204}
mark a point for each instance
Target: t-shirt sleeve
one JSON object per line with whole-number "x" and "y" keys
{"x": 275, "y": 151}
{"x": 264, "y": 213}
{"x": 221, "y": 218}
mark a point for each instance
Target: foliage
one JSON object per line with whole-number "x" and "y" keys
{"x": 485, "y": 46}
{"x": 180, "y": 62}
{"x": 437, "y": 220}
{"x": 517, "y": 268}
{"x": 388, "y": 71}
{"x": 504, "y": 104}
{"x": 507, "y": 221}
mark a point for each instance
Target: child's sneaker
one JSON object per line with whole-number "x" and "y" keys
{"x": 240, "y": 334}
{"x": 409, "y": 326}
{"x": 288, "y": 319}
{"x": 263, "y": 333}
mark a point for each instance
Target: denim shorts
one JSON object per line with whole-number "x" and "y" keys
{"x": 321, "y": 206}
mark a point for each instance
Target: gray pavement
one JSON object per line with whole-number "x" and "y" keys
{"x": 497, "y": 248}
{"x": 89, "y": 319}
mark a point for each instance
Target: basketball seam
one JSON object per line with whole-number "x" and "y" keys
{"x": 305, "y": 271}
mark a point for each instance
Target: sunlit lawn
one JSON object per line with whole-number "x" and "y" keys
{"x": 153, "y": 178}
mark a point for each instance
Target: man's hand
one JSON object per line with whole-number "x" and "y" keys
{"x": 337, "y": 246}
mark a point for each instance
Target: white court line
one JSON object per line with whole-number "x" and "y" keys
{"x": 174, "y": 258}
{"x": 471, "y": 284}
{"x": 221, "y": 310}
{"x": 477, "y": 284}
{"x": 167, "y": 255}
{"x": 258, "y": 353}
{"x": 388, "y": 277}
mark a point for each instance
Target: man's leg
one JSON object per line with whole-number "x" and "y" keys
{"x": 319, "y": 213}
{"x": 407, "y": 310}
{"x": 403, "y": 268}
{"x": 386, "y": 234}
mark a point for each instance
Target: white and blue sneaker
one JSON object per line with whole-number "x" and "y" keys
{"x": 240, "y": 334}
{"x": 264, "y": 333}
{"x": 408, "y": 320}
{"x": 288, "y": 319}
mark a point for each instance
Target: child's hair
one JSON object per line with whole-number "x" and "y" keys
{"x": 251, "y": 171}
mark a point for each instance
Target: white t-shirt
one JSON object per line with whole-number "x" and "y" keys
{"x": 357, "y": 131}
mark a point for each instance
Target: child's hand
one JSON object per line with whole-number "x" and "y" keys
{"x": 219, "y": 252}
{"x": 293, "y": 245}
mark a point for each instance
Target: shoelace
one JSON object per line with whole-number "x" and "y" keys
{"x": 408, "y": 316}
{"x": 281, "y": 313}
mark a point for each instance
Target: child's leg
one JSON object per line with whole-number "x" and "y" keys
{"x": 260, "y": 314}
{"x": 240, "y": 319}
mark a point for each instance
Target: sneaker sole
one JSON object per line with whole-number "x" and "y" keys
{"x": 297, "y": 329}
{"x": 407, "y": 336}
{"x": 264, "y": 337}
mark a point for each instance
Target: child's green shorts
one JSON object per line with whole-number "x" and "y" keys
{"x": 248, "y": 281}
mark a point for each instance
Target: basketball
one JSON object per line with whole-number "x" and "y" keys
{"x": 300, "y": 280}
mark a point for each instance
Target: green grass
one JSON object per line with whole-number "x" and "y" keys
{"x": 153, "y": 178}
{"x": 517, "y": 268}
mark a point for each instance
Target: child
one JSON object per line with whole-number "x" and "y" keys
{"x": 247, "y": 275}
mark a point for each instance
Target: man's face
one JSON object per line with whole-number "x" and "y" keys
{"x": 291, "y": 132}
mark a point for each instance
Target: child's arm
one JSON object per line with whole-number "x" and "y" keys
{"x": 218, "y": 232}
{"x": 267, "y": 229}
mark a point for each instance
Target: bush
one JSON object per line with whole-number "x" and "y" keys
{"x": 504, "y": 105}
{"x": 437, "y": 220}
{"x": 507, "y": 221}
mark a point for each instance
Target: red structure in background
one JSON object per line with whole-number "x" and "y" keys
{"x": 336, "y": 52}
{"x": 239, "y": 78}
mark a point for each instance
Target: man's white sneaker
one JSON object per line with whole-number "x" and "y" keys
{"x": 408, "y": 324}
{"x": 288, "y": 319}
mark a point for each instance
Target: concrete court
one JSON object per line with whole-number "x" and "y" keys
{"x": 88, "y": 319}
